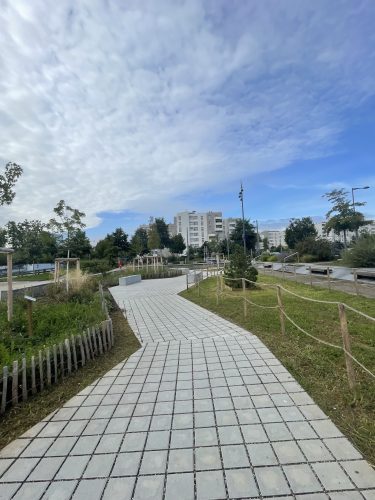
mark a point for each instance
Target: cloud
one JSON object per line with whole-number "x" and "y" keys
{"x": 130, "y": 105}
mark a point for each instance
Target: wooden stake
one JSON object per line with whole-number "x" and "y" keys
{"x": 281, "y": 310}
{"x": 244, "y": 297}
{"x": 10, "y": 287}
{"x": 33, "y": 376}
{"x": 48, "y": 362}
{"x": 56, "y": 373}
{"x": 30, "y": 318}
{"x": 97, "y": 332}
{"x": 24, "y": 380}
{"x": 15, "y": 383}
{"x": 356, "y": 282}
{"x": 61, "y": 356}
{"x": 41, "y": 371}
{"x": 74, "y": 349}
{"x": 83, "y": 357}
{"x": 93, "y": 334}
{"x": 85, "y": 343}
{"x": 90, "y": 343}
{"x": 103, "y": 337}
{"x": 329, "y": 279}
{"x": 5, "y": 389}
{"x": 346, "y": 343}
{"x": 68, "y": 355}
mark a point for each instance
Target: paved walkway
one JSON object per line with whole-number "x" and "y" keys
{"x": 202, "y": 411}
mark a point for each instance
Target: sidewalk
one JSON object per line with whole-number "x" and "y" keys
{"x": 202, "y": 411}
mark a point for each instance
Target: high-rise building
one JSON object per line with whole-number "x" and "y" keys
{"x": 198, "y": 227}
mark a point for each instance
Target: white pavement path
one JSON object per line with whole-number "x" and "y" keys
{"x": 202, "y": 411}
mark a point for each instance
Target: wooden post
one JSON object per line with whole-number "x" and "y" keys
{"x": 5, "y": 389}
{"x": 199, "y": 290}
{"x": 48, "y": 362}
{"x": 90, "y": 343}
{"x": 30, "y": 318}
{"x": 283, "y": 270}
{"x": 281, "y": 310}
{"x": 68, "y": 355}
{"x": 187, "y": 280}
{"x": 85, "y": 343}
{"x": 346, "y": 343}
{"x": 310, "y": 269}
{"x": 93, "y": 334}
{"x": 56, "y": 373}
{"x": 83, "y": 357}
{"x": 10, "y": 287}
{"x": 33, "y": 376}
{"x": 356, "y": 282}
{"x": 74, "y": 349}
{"x": 244, "y": 297}
{"x": 329, "y": 279}
{"x": 61, "y": 356}
{"x": 24, "y": 380}
{"x": 41, "y": 371}
{"x": 15, "y": 383}
{"x": 103, "y": 337}
{"x": 78, "y": 266}
{"x": 100, "y": 345}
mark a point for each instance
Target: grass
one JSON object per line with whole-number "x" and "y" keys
{"x": 47, "y": 276}
{"x": 23, "y": 416}
{"x": 319, "y": 369}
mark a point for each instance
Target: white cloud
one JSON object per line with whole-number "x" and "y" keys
{"x": 125, "y": 105}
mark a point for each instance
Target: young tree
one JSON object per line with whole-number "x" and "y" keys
{"x": 177, "y": 244}
{"x": 265, "y": 243}
{"x": 68, "y": 222}
{"x": 7, "y": 182}
{"x": 153, "y": 238}
{"x": 240, "y": 267}
{"x": 250, "y": 235}
{"x": 343, "y": 217}
{"x": 299, "y": 230}
{"x": 139, "y": 242}
{"x": 120, "y": 241}
{"x": 162, "y": 230}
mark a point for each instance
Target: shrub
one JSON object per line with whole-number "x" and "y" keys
{"x": 363, "y": 252}
{"x": 272, "y": 258}
{"x": 95, "y": 266}
{"x": 308, "y": 258}
{"x": 318, "y": 248}
{"x": 240, "y": 267}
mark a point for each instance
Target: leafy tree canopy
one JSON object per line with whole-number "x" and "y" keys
{"x": 177, "y": 244}
{"x": 7, "y": 182}
{"x": 250, "y": 235}
{"x": 298, "y": 230}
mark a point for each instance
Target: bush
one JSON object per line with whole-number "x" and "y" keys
{"x": 317, "y": 248}
{"x": 272, "y": 258}
{"x": 363, "y": 252}
{"x": 308, "y": 258}
{"x": 240, "y": 267}
{"x": 95, "y": 266}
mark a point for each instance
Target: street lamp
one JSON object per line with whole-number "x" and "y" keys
{"x": 356, "y": 189}
{"x": 240, "y": 195}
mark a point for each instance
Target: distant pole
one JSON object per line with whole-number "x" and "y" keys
{"x": 10, "y": 285}
{"x": 243, "y": 219}
{"x": 187, "y": 245}
{"x": 258, "y": 246}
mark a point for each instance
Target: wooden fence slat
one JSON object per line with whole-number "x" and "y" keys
{"x": 108, "y": 334}
{"x": 68, "y": 355}
{"x": 15, "y": 383}
{"x": 93, "y": 334}
{"x": 83, "y": 357}
{"x": 24, "y": 380}
{"x": 85, "y": 343}
{"x": 97, "y": 332}
{"x": 41, "y": 376}
{"x": 74, "y": 349}
{"x": 5, "y": 389}
{"x": 61, "y": 356}
{"x": 48, "y": 362}
{"x": 90, "y": 343}
{"x": 33, "y": 376}
{"x": 111, "y": 332}
{"x": 56, "y": 372}
{"x": 103, "y": 336}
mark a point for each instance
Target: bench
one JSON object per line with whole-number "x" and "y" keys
{"x": 365, "y": 274}
{"x": 321, "y": 270}
{"x": 129, "y": 280}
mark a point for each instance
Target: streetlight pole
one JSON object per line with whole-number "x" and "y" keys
{"x": 240, "y": 195}
{"x": 356, "y": 189}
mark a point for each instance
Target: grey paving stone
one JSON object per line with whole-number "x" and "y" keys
{"x": 230, "y": 434}
{"x": 127, "y": 464}
{"x": 241, "y": 483}
{"x": 254, "y": 433}
{"x": 157, "y": 440}
{"x": 20, "y": 469}
{"x": 89, "y": 488}
{"x": 182, "y": 438}
{"x": 46, "y": 469}
{"x": 7, "y": 490}
{"x": 301, "y": 478}
{"x": 288, "y": 452}
{"x": 342, "y": 449}
{"x": 314, "y": 450}
{"x": 180, "y": 486}
{"x": 31, "y": 491}
{"x": 234, "y": 456}
{"x": 15, "y": 448}
{"x": 207, "y": 458}
{"x": 210, "y": 485}
{"x": 332, "y": 476}
{"x": 149, "y": 487}
{"x": 154, "y": 462}
{"x": 99, "y": 466}
{"x": 37, "y": 447}
{"x": 60, "y": 490}
{"x": 204, "y": 419}
{"x": 271, "y": 481}
{"x": 261, "y": 454}
{"x": 134, "y": 441}
{"x": 117, "y": 425}
{"x": 119, "y": 488}
{"x": 181, "y": 460}
{"x": 206, "y": 436}
{"x": 362, "y": 475}
{"x": 73, "y": 467}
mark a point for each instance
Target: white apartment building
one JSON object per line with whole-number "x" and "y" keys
{"x": 228, "y": 226}
{"x": 275, "y": 238}
{"x": 332, "y": 236}
{"x": 198, "y": 227}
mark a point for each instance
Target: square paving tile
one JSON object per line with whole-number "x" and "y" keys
{"x": 89, "y": 488}
{"x": 261, "y": 454}
{"x": 119, "y": 488}
{"x": 207, "y": 458}
{"x": 210, "y": 485}
{"x": 271, "y": 481}
{"x": 149, "y": 487}
{"x": 154, "y": 462}
{"x": 332, "y": 476}
{"x": 127, "y": 464}
{"x": 301, "y": 478}
{"x": 241, "y": 483}
{"x": 234, "y": 456}
{"x": 180, "y": 486}
{"x": 181, "y": 460}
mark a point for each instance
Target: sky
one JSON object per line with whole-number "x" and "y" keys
{"x": 137, "y": 108}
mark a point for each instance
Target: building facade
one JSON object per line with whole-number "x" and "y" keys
{"x": 198, "y": 227}
{"x": 275, "y": 238}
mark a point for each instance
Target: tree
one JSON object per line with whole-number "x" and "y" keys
{"x": 265, "y": 243}
{"x": 343, "y": 217}
{"x": 3, "y": 237}
{"x": 299, "y": 230}
{"x": 177, "y": 244}
{"x": 250, "y": 235}
{"x": 120, "y": 241}
{"x": 320, "y": 249}
{"x": 69, "y": 221}
{"x": 162, "y": 230}
{"x": 7, "y": 182}
{"x": 153, "y": 237}
{"x": 363, "y": 252}
{"x": 139, "y": 242}
{"x": 79, "y": 244}
{"x": 240, "y": 267}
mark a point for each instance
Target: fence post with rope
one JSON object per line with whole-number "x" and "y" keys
{"x": 281, "y": 310}
{"x": 244, "y": 297}
{"x": 347, "y": 347}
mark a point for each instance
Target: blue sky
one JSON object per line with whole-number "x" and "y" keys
{"x": 139, "y": 108}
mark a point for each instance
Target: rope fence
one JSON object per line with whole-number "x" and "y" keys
{"x": 342, "y": 308}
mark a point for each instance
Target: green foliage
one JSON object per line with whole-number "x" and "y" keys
{"x": 250, "y": 236}
{"x": 113, "y": 247}
{"x": 239, "y": 267}
{"x": 154, "y": 241}
{"x": 298, "y": 230}
{"x": 272, "y": 258}
{"x": 139, "y": 242}
{"x": 177, "y": 244}
{"x": 363, "y": 252}
{"x": 309, "y": 258}
{"x": 265, "y": 243}
{"x": 95, "y": 266}
{"x": 318, "y": 248}
{"x": 7, "y": 182}
{"x": 162, "y": 230}
{"x": 68, "y": 222}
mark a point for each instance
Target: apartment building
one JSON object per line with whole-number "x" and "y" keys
{"x": 228, "y": 226}
{"x": 275, "y": 238}
{"x": 198, "y": 227}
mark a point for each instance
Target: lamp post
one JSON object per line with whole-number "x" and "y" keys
{"x": 356, "y": 189}
{"x": 240, "y": 195}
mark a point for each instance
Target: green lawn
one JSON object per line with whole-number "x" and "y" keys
{"x": 319, "y": 369}
{"x": 31, "y": 277}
